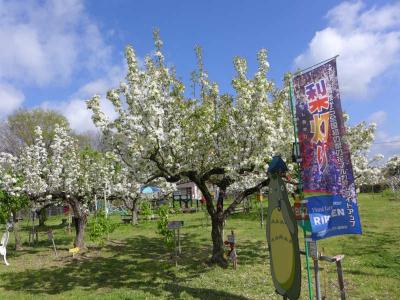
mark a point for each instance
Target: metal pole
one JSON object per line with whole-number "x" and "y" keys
{"x": 316, "y": 277}
{"x": 105, "y": 201}
{"x": 179, "y": 243}
{"x": 300, "y": 188}
{"x": 176, "y": 250}
{"x": 54, "y": 247}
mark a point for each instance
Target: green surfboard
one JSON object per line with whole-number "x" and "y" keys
{"x": 283, "y": 241}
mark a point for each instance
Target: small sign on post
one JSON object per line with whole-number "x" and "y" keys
{"x": 175, "y": 226}
{"x": 231, "y": 238}
{"x": 312, "y": 249}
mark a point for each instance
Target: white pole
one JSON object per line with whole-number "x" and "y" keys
{"x": 105, "y": 201}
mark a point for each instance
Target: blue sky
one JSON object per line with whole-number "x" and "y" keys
{"x": 55, "y": 54}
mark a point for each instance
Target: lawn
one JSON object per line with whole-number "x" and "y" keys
{"x": 135, "y": 264}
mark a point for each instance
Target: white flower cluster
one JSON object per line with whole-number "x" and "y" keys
{"x": 57, "y": 173}
{"x": 391, "y": 171}
{"x": 158, "y": 131}
{"x": 8, "y": 176}
{"x": 360, "y": 139}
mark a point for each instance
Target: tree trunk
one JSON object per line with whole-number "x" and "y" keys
{"x": 217, "y": 224}
{"x": 134, "y": 214}
{"x": 80, "y": 224}
{"x": 132, "y": 205}
{"x": 18, "y": 244}
{"x": 42, "y": 216}
{"x": 80, "y": 219}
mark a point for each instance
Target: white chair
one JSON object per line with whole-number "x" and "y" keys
{"x": 4, "y": 242}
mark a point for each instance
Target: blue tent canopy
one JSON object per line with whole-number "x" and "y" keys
{"x": 149, "y": 189}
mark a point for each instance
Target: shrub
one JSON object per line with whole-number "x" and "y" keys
{"x": 162, "y": 226}
{"x": 146, "y": 210}
{"x": 99, "y": 227}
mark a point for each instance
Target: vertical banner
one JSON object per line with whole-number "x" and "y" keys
{"x": 326, "y": 170}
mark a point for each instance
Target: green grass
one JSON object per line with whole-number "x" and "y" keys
{"x": 135, "y": 264}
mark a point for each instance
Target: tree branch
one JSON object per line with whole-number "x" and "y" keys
{"x": 215, "y": 171}
{"x": 243, "y": 195}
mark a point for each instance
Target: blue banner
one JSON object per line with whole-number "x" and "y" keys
{"x": 326, "y": 170}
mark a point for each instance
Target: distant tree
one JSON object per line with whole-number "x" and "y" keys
{"x": 19, "y": 131}
{"x": 65, "y": 174}
{"x": 360, "y": 138}
{"x": 12, "y": 199}
{"x": 391, "y": 171}
{"x": 392, "y": 167}
{"x": 23, "y": 123}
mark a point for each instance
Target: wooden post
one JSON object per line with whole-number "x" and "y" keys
{"x": 340, "y": 276}
{"x": 262, "y": 214}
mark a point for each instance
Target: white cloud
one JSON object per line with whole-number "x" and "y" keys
{"x": 379, "y": 117}
{"x": 368, "y": 42}
{"x": 79, "y": 117}
{"x": 111, "y": 78}
{"x": 10, "y": 99}
{"x": 45, "y": 42}
{"x": 386, "y": 144}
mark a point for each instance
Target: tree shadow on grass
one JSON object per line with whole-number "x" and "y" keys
{"x": 200, "y": 293}
{"x": 140, "y": 263}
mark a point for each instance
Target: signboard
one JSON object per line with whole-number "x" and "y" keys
{"x": 260, "y": 197}
{"x": 326, "y": 170}
{"x": 174, "y": 225}
{"x": 300, "y": 209}
{"x": 312, "y": 249}
{"x": 231, "y": 238}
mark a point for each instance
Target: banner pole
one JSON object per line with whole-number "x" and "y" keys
{"x": 310, "y": 296}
